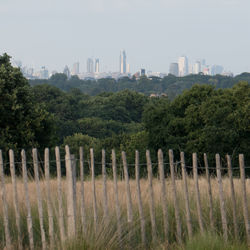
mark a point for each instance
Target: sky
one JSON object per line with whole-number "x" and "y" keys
{"x": 154, "y": 33}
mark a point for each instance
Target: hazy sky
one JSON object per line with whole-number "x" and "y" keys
{"x": 153, "y": 32}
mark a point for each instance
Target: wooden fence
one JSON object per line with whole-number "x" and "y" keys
{"x": 67, "y": 221}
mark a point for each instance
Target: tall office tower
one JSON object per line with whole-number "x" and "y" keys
{"x": 216, "y": 70}
{"x": 90, "y": 65}
{"x": 183, "y": 66}
{"x": 197, "y": 67}
{"x": 75, "y": 69}
{"x": 44, "y": 73}
{"x": 97, "y": 65}
{"x": 123, "y": 62}
{"x": 142, "y": 72}
{"x": 174, "y": 69}
{"x": 66, "y": 71}
{"x": 128, "y": 68}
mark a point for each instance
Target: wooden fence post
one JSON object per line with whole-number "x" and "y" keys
{"x": 60, "y": 198}
{"x": 230, "y": 175}
{"x": 15, "y": 197}
{"x": 27, "y": 200}
{"x": 163, "y": 194}
{"x": 197, "y": 192}
{"x": 211, "y": 216}
{"x": 186, "y": 196}
{"x": 49, "y": 203}
{"x": 139, "y": 200}
{"x": 128, "y": 193}
{"x": 70, "y": 195}
{"x": 222, "y": 201}
{"x": 151, "y": 195}
{"x": 104, "y": 177}
{"x": 4, "y": 203}
{"x": 39, "y": 197}
{"x": 83, "y": 210}
{"x": 244, "y": 194}
{"x": 176, "y": 206}
{"x": 117, "y": 206}
{"x": 93, "y": 186}
{"x": 73, "y": 165}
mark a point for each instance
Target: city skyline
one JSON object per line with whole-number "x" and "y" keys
{"x": 154, "y": 33}
{"x": 181, "y": 67}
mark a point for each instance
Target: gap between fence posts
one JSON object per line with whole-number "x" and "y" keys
{"x": 186, "y": 196}
{"x": 49, "y": 203}
{"x": 151, "y": 195}
{"x": 15, "y": 197}
{"x": 230, "y": 175}
{"x": 244, "y": 200}
{"x": 93, "y": 186}
{"x": 83, "y": 210}
{"x": 176, "y": 205}
{"x": 104, "y": 178}
{"x": 60, "y": 197}
{"x": 117, "y": 206}
{"x": 128, "y": 193}
{"x": 39, "y": 197}
{"x": 163, "y": 194}
{"x": 139, "y": 200}
{"x": 70, "y": 195}
{"x": 210, "y": 198}
{"x": 197, "y": 192}
{"x": 5, "y": 206}
{"x": 27, "y": 200}
{"x": 222, "y": 201}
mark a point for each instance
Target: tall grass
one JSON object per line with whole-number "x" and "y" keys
{"x": 105, "y": 235}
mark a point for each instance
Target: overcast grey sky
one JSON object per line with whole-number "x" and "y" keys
{"x": 153, "y": 32}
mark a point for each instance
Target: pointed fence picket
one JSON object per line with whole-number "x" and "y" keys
{"x": 56, "y": 216}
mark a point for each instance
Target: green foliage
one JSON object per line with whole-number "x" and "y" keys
{"x": 202, "y": 120}
{"x": 24, "y": 122}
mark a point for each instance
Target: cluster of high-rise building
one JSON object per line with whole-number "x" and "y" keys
{"x": 183, "y": 68}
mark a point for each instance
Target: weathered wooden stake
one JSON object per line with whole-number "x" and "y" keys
{"x": 222, "y": 201}
{"x": 70, "y": 195}
{"x": 139, "y": 200}
{"x": 230, "y": 174}
{"x": 210, "y": 198}
{"x": 244, "y": 194}
{"x": 151, "y": 195}
{"x": 27, "y": 200}
{"x": 128, "y": 193}
{"x": 163, "y": 194}
{"x": 39, "y": 197}
{"x": 60, "y": 198}
{"x": 186, "y": 196}
{"x": 117, "y": 206}
{"x": 197, "y": 192}
{"x": 104, "y": 177}
{"x": 15, "y": 197}
{"x": 4, "y": 203}
{"x": 93, "y": 186}
{"x": 83, "y": 209}
{"x": 176, "y": 205}
{"x": 49, "y": 203}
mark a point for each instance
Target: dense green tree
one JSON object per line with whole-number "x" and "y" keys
{"x": 24, "y": 122}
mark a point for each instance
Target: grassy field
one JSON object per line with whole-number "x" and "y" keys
{"x": 105, "y": 235}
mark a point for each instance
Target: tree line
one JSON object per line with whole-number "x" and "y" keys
{"x": 201, "y": 119}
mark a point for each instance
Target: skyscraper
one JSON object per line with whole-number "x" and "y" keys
{"x": 197, "y": 67}
{"x": 174, "y": 69}
{"x": 216, "y": 70}
{"x": 75, "y": 69}
{"x": 97, "y": 66}
{"x": 183, "y": 66}
{"x": 123, "y": 62}
{"x": 90, "y": 65}
{"x": 66, "y": 71}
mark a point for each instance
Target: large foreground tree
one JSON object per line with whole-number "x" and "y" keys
{"x": 23, "y": 122}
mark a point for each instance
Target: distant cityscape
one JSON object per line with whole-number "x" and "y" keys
{"x": 180, "y": 68}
